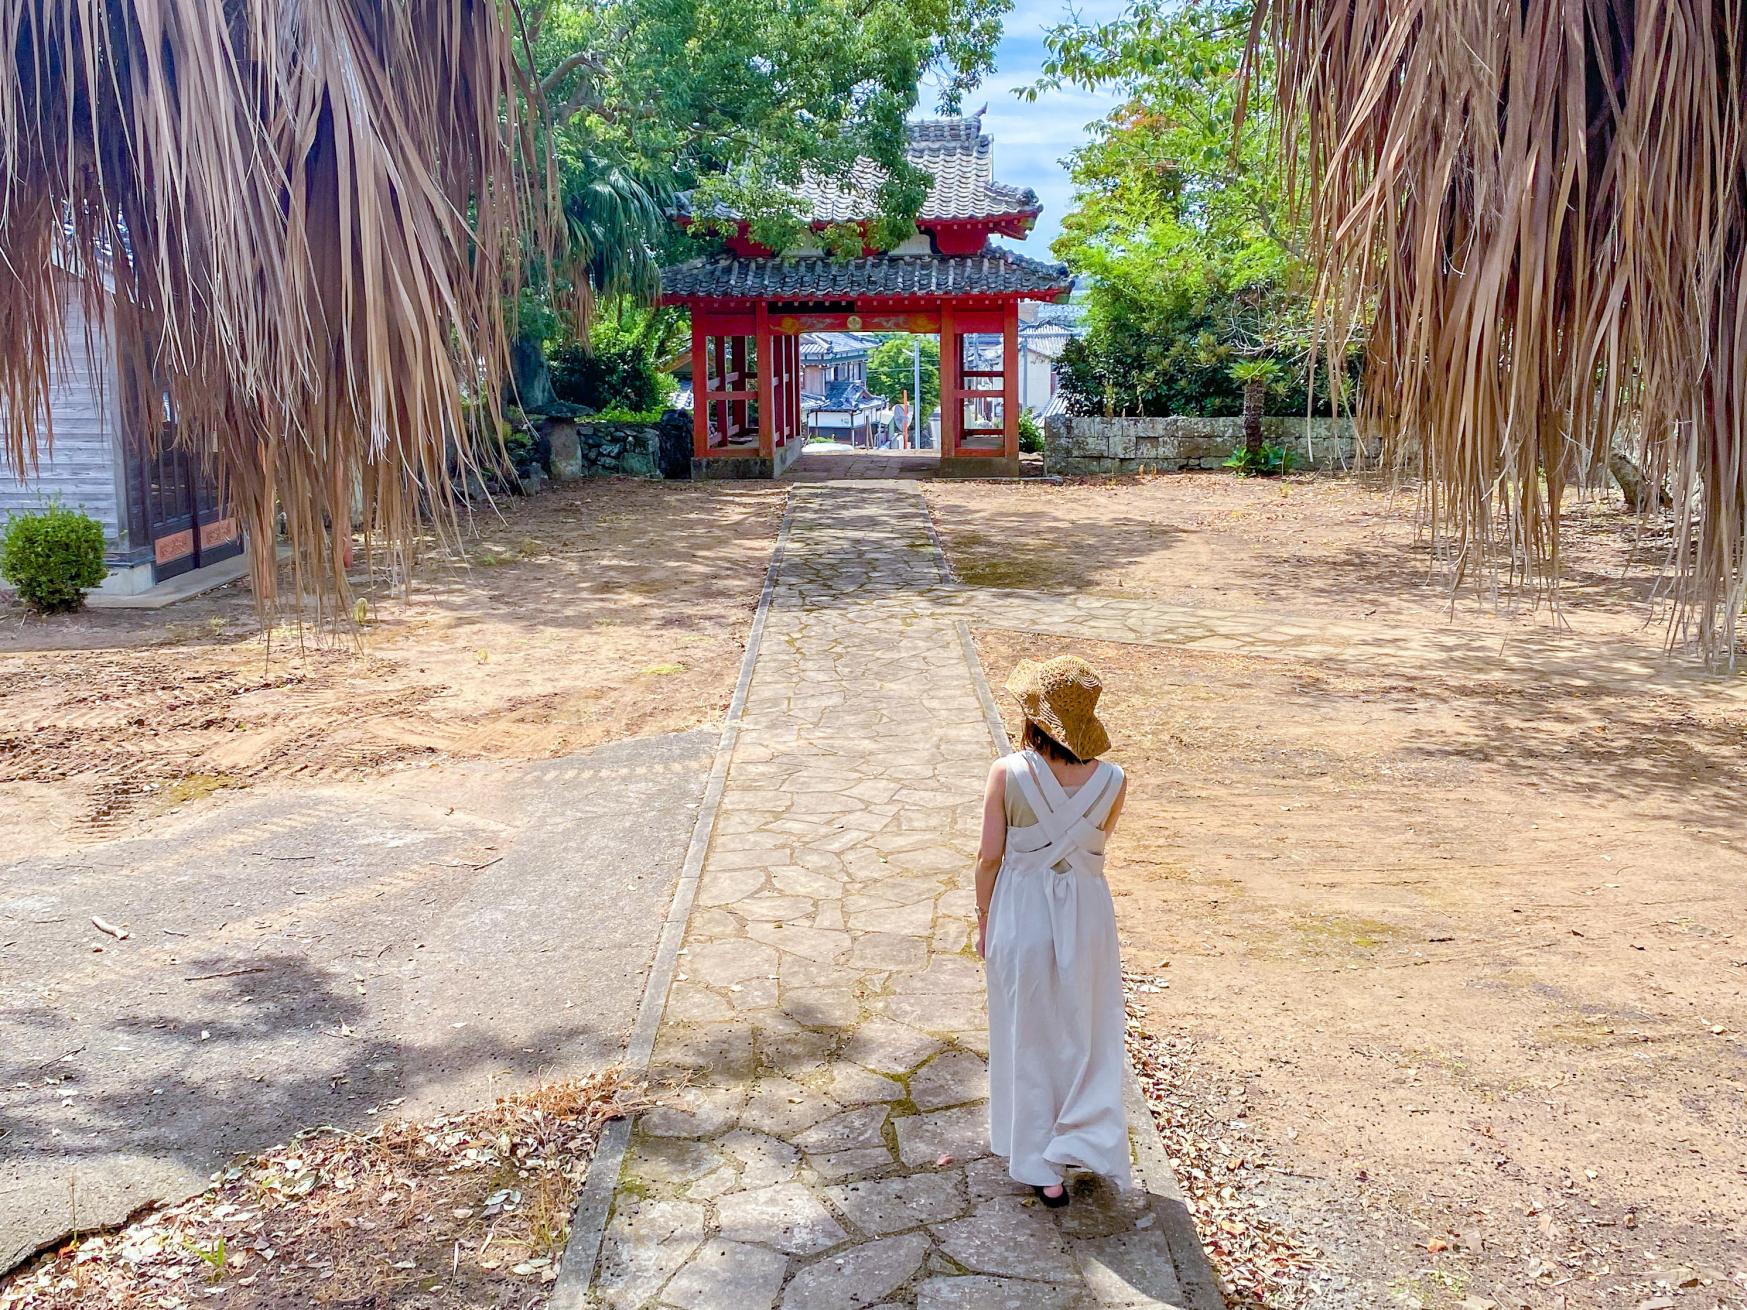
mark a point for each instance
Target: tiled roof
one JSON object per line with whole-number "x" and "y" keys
{"x": 955, "y": 151}
{"x": 817, "y": 346}
{"x": 958, "y": 154}
{"x": 849, "y": 395}
{"x": 994, "y": 272}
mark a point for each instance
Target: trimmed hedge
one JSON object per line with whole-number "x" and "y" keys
{"x": 51, "y": 556}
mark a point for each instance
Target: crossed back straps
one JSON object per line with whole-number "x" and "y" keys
{"x": 1069, "y": 830}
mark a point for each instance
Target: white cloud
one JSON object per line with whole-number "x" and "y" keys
{"x": 1033, "y": 139}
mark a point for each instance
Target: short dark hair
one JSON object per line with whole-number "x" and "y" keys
{"x": 1035, "y": 738}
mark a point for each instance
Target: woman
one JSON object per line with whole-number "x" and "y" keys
{"x": 1046, "y": 930}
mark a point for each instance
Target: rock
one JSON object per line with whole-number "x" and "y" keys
{"x": 962, "y": 1133}
{"x": 890, "y": 1205}
{"x": 859, "y": 1277}
{"x": 1011, "y": 1239}
{"x": 647, "y": 1242}
{"x": 951, "y": 1078}
{"x": 764, "y": 1159}
{"x": 1129, "y": 1267}
{"x": 982, "y": 1293}
{"x": 786, "y": 1216}
{"x": 725, "y": 1273}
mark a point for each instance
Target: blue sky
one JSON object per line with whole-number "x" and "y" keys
{"x": 1032, "y": 140}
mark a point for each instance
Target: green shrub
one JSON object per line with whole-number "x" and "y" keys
{"x": 610, "y": 377}
{"x": 1268, "y": 462}
{"x": 523, "y": 452}
{"x": 1169, "y": 353}
{"x": 50, "y": 556}
{"x": 1030, "y": 433}
{"x": 619, "y": 414}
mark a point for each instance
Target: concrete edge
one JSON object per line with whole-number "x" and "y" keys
{"x": 942, "y": 561}
{"x": 1151, "y": 1159}
{"x": 184, "y": 586}
{"x": 588, "y": 1217}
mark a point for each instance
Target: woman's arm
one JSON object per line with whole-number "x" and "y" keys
{"x": 992, "y": 847}
{"x": 1116, "y": 807}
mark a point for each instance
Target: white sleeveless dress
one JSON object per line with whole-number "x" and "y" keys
{"x": 1055, "y": 983}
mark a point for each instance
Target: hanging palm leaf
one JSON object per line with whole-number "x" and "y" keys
{"x": 311, "y": 213}
{"x": 1537, "y": 209}
{"x": 614, "y": 217}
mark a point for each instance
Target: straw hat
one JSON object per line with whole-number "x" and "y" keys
{"x": 1061, "y": 697}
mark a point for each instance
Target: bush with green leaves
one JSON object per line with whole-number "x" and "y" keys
{"x": 51, "y": 556}
{"x": 619, "y": 369}
{"x": 1271, "y": 461}
{"x": 1030, "y": 433}
{"x": 622, "y": 377}
{"x": 1171, "y": 354}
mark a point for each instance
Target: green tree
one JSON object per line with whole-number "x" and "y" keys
{"x": 1180, "y": 224}
{"x": 641, "y": 100}
{"x": 891, "y": 372}
{"x": 735, "y": 102}
{"x": 621, "y": 370}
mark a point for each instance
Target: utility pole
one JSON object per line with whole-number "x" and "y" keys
{"x": 916, "y": 367}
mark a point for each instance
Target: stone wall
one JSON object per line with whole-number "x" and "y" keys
{"x": 1074, "y": 446}
{"x": 606, "y": 448}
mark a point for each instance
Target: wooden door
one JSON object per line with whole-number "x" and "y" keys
{"x": 187, "y": 520}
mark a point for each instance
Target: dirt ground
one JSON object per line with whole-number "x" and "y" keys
{"x": 1332, "y": 548}
{"x": 583, "y": 615}
{"x": 1454, "y": 968}
{"x": 464, "y": 1212}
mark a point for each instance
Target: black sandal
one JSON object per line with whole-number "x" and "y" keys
{"x": 1052, "y": 1202}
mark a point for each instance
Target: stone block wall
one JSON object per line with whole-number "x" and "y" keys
{"x": 607, "y": 448}
{"x": 1079, "y": 445}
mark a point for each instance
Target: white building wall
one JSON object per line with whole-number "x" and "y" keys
{"x": 82, "y": 464}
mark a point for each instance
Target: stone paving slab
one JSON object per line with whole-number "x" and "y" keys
{"x": 825, "y": 1145}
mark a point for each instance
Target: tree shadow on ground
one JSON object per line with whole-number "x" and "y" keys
{"x": 1607, "y": 743}
{"x": 1148, "y": 1259}
{"x": 276, "y": 1049}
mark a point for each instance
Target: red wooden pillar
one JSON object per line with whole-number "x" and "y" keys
{"x": 1010, "y": 379}
{"x": 700, "y": 388}
{"x": 724, "y": 408}
{"x": 794, "y": 414}
{"x": 951, "y": 365}
{"x": 737, "y": 363}
{"x": 766, "y": 409}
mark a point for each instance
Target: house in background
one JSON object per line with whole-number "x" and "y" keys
{"x": 161, "y": 513}
{"x": 832, "y": 357}
{"x": 1041, "y": 341}
{"x": 835, "y": 402}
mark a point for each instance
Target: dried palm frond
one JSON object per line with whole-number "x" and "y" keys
{"x": 302, "y": 219}
{"x": 1536, "y": 211}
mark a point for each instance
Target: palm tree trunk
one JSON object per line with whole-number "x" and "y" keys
{"x": 1255, "y": 392}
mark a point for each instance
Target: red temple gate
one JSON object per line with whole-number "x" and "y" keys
{"x": 750, "y": 307}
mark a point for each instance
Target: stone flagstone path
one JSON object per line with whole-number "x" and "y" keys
{"x": 828, "y": 1150}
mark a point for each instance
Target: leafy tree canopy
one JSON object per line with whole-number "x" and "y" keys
{"x": 734, "y": 102}
{"x": 891, "y": 372}
{"x": 1181, "y": 217}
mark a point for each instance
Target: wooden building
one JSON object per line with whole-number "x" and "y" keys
{"x": 751, "y": 306}
{"x": 161, "y": 512}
